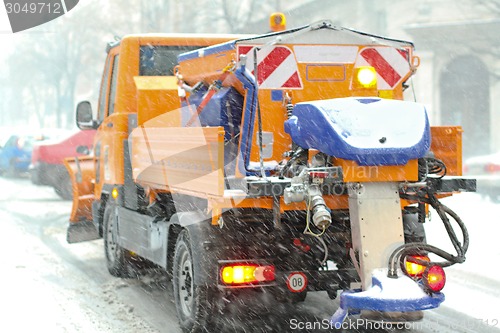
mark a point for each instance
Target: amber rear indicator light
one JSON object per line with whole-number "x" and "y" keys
{"x": 238, "y": 274}
{"x": 414, "y": 269}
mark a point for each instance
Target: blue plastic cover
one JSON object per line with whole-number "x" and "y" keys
{"x": 202, "y": 52}
{"x": 224, "y": 109}
{"x": 368, "y": 130}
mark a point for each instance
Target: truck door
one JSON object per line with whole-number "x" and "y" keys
{"x": 109, "y": 129}
{"x": 86, "y": 173}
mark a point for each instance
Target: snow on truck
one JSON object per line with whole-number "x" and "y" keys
{"x": 281, "y": 163}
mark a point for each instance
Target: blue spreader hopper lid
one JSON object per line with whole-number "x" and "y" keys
{"x": 368, "y": 130}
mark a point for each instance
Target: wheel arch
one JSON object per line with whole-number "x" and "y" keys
{"x": 203, "y": 242}
{"x": 98, "y": 208}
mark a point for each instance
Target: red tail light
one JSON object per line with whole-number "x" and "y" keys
{"x": 434, "y": 278}
{"x": 319, "y": 174}
{"x": 412, "y": 268}
{"x": 492, "y": 167}
{"x": 237, "y": 274}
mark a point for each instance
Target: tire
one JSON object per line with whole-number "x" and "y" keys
{"x": 414, "y": 231}
{"x": 118, "y": 259}
{"x": 64, "y": 188}
{"x": 12, "y": 171}
{"x": 35, "y": 177}
{"x": 195, "y": 304}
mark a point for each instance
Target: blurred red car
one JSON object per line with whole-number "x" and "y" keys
{"x": 47, "y": 167}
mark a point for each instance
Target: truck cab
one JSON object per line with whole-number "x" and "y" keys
{"x": 135, "y": 61}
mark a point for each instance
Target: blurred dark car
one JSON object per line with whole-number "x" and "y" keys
{"x": 47, "y": 166}
{"x": 486, "y": 169}
{"x": 15, "y": 153}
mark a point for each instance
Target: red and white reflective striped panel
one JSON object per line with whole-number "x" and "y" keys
{"x": 391, "y": 65}
{"x": 276, "y": 67}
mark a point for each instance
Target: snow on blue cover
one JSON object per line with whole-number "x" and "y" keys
{"x": 368, "y": 130}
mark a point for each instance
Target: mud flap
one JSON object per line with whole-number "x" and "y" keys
{"x": 81, "y": 232}
{"x": 203, "y": 241}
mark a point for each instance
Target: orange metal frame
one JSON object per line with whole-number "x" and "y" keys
{"x": 155, "y": 98}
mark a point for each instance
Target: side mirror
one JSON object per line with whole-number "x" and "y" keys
{"x": 84, "y": 150}
{"x": 84, "y": 119}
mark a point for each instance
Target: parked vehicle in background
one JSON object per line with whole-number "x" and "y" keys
{"x": 16, "y": 147}
{"x": 15, "y": 153}
{"x": 486, "y": 169}
{"x": 47, "y": 159}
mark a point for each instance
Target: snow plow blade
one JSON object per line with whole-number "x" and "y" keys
{"x": 81, "y": 232}
{"x": 81, "y": 172}
{"x": 388, "y": 300}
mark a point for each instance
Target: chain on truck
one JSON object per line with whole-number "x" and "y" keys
{"x": 278, "y": 164}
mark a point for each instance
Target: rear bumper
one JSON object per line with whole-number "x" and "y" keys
{"x": 329, "y": 281}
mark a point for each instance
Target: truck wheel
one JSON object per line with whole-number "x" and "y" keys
{"x": 118, "y": 259}
{"x": 194, "y": 303}
{"x": 414, "y": 231}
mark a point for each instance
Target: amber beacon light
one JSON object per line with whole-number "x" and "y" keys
{"x": 277, "y": 22}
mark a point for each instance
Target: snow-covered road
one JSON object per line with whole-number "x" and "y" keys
{"x": 48, "y": 285}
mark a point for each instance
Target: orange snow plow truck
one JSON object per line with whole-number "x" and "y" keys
{"x": 282, "y": 163}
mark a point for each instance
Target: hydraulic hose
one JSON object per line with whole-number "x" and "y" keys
{"x": 288, "y": 164}
{"x": 401, "y": 252}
